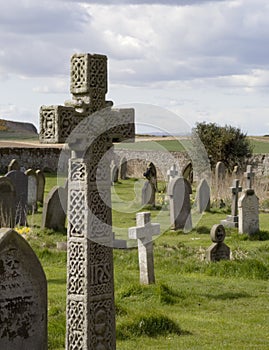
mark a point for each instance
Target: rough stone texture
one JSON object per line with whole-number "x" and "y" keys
{"x": 20, "y": 183}
{"x": 41, "y": 181}
{"x": 14, "y": 165}
{"x": 32, "y": 190}
{"x": 172, "y": 172}
{"x": 203, "y": 196}
{"x": 23, "y": 302}
{"x": 248, "y": 206}
{"x": 7, "y": 203}
{"x": 90, "y": 323}
{"x": 143, "y": 232}
{"x": 218, "y": 250}
{"x": 179, "y": 190}
{"x": 54, "y": 209}
{"x": 232, "y": 220}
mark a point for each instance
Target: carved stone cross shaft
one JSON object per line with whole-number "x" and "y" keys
{"x": 249, "y": 175}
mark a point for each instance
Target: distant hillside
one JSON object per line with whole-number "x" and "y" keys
{"x": 19, "y": 129}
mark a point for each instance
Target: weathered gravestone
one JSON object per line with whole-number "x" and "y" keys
{"x": 150, "y": 187}
{"x": 220, "y": 173}
{"x": 55, "y": 208}
{"x": 23, "y": 290}
{"x": 90, "y": 285}
{"x": 41, "y": 181}
{"x": 187, "y": 172}
{"x": 13, "y": 165}
{"x": 218, "y": 250}
{"x": 114, "y": 170}
{"x": 7, "y": 203}
{"x": 123, "y": 168}
{"x": 248, "y": 207}
{"x": 203, "y": 196}
{"x": 179, "y": 191}
{"x": 20, "y": 183}
{"x": 143, "y": 232}
{"x": 232, "y": 220}
{"x": 32, "y": 190}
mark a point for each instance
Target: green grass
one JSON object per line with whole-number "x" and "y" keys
{"x": 193, "y": 304}
{"x": 260, "y": 147}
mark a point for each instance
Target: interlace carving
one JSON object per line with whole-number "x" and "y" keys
{"x": 77, "y": 275}
{"x": 77, "y": 212}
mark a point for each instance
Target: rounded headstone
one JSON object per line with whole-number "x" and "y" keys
{"x": 217, "y": 233}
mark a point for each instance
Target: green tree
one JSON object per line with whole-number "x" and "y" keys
{"x": 224, "y": 143}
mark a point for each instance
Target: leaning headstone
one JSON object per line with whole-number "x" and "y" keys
{"x": 143, "y": 232}
{"x": 220, "y": 173}
{"x": 20, "y": 183}
{"x": 23, "y": 302}
{"x": 179, "y": 190}
{"x": 218, "y": 250}
{"x": 7, "y": 203}
{"x": 151, "y": 175}
{"x": 114, "y": 170}
{"x": 123, "y": 168}
{"x": 13, "y": 165}
{"x": 187, "y": 172}
{"x": 203, "y": 196}
{"x": 32, "y": 190}
{"x": 232, "y": 220}
{"x": 54, "y": 209}
{"x": 41, "y": 180}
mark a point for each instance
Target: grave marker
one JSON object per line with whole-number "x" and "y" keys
{"x": 203, "y": 196}
{"x": 220, "y": 173}
{"x": 179, "y": 190}
{"x": 13, "y": 165}
{"x": 232, "y": 220}
{"x": 248, "y": 207}
{"x": 187, "y": 172}
{"x": 7, "y": 203}
{"x": 143, "y": 232}
{"x": 218, "y": 250}
{"x": 123, "y": 168}
{"x": 41, "y": 181}
{"x": 249, "y": 175}
{"x": 20, "y": 183}
{"x": 149, "y": 192}
{"x": 90, "y": 284}
{"x": 172, "y": 172}
{"x": 32, "y": 190}
{"x": 23, "y": 302}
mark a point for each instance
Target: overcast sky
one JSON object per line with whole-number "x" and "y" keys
{"x": 203, "y": 60}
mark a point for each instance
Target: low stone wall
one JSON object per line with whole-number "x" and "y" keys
{"x": 46, "y": 159}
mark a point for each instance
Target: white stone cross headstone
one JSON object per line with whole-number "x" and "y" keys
{"x": 172, "y": 172}
{"x": 249, "y": 175}
{"x": 143, "y": 232}
{"x": 232, "y": 220}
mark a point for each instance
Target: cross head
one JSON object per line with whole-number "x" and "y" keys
{"x": 249, "y": 175}
{"x": 235, "y": 193}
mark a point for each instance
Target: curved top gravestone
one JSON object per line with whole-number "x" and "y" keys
{"x": 23, "y": 303}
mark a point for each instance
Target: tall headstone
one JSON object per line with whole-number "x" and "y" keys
{"x": 123, "y": 168}
{"x": 20, "y": 183}
{"x": 220, "y": 173}
{"x": 248, "y": 207}
{"x": 41, "y": 181}
{"x": 232, "y": 220}
{"x": 13, "y": 165}
{"x": 151, "y": 175}
{"x": 55, "y": 208}
{"x": 23, "y": 302}
{"x": 203, "y": 196}
{"x": 179, "y": 191}
{"x": 143, "y": 232}
{"x": 90, "y": 323}
{"x": 147, "y": 196}
{"x": 7, "y": 203}
{"x": 218, "y": 250}
{"x": 32, "y": 190}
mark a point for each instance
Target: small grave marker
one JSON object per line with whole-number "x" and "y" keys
{"x": 232, "y": 220}
{"x": 7, "y": 203}
{"x": 143, "y": 232}
{"x": 218, "y": 250}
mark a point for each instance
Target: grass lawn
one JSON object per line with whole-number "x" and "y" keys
{"x": 193, "y": 304}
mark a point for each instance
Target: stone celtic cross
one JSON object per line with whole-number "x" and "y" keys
{"x": 90, "y": 127}
{"x": 143, "y": 232}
